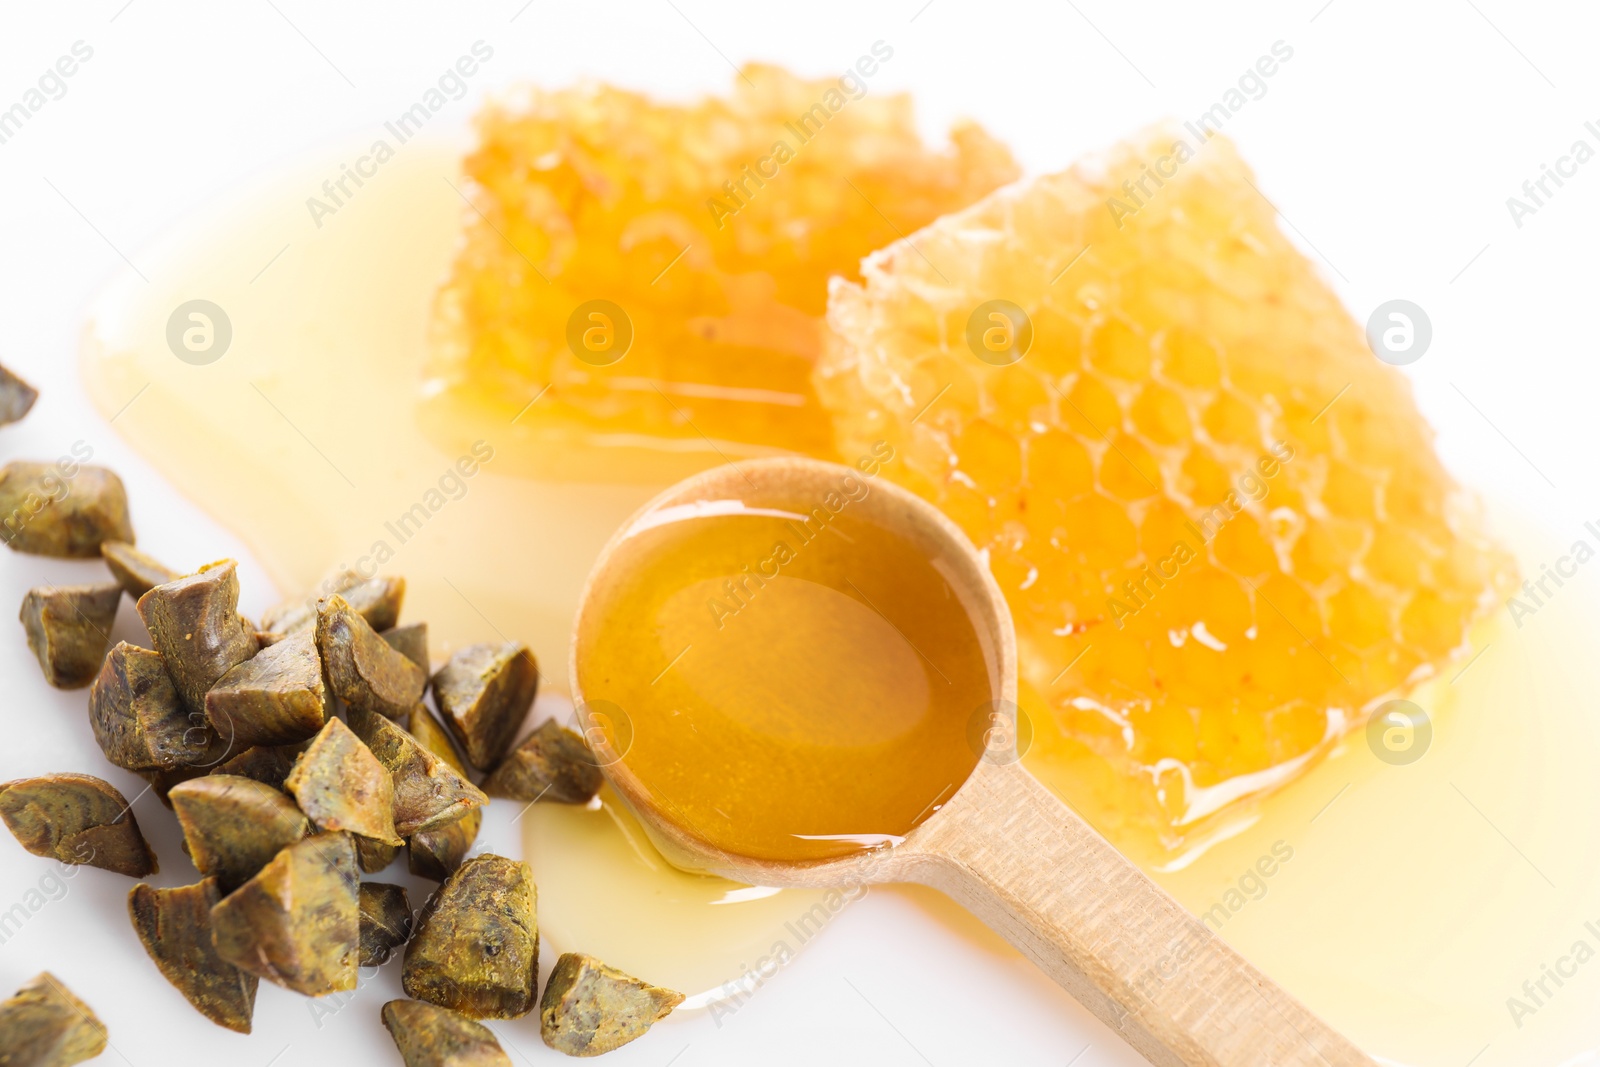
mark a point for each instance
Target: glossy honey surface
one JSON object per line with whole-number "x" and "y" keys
{"x": 797, "y": 676}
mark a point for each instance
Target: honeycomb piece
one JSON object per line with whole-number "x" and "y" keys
{"x": 1218, "y": 519}
{"x": 720, "y": 273}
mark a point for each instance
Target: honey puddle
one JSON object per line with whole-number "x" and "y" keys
{"x": 1405, "y": 903}
{"x": 605, "y": 890}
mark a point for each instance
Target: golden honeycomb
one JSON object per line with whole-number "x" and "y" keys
{"x": 1219, "y": 520}
{"x": 714, "y": 243}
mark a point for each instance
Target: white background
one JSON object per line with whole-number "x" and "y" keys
{"x": 1390, "y": 142}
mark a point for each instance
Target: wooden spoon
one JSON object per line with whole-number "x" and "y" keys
{"x": 1010, "y": 852}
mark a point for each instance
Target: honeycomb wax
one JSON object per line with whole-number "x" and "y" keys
{"x": 1218, "y": 519}
{"x": 648, "y": 279}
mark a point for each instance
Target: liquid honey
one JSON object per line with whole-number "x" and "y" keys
{"x": 798, "y": 677}
{"x": 605, "y": 890}
{"x": 1416, "y": 900}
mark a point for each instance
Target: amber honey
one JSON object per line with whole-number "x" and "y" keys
{"x": 796, "y": 677}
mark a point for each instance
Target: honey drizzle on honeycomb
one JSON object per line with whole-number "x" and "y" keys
{"x": 1191, "y": 381}
{"x": 599, "y": 193}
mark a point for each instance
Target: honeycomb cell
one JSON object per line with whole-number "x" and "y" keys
{"x": 1221, "y": 399}
{"x": 1203, "y": 476}
{"x": 1160, "y": 416}
{"x": 1118, "y": 350}
{"x": 1229, "y": 420}
{"x": 1351, "y": 493}
{"x": 1057, "y": 342}
{"x": 1291, "y": 602}
{"x": 1329, "y": 548}
{"x": 1389, "y": 562}
{"x": 1243, "y": 549}
{"x": 1279, "y": 662}
{"x": 1427, "y": 623}
{"x": 971, "y": 508}
{"x": 1020, "y": 402}
{"x": 1161, "y": 529}
{"x": 1220, "y": 602}
{"x": 990, "y": 456}
{"x": 1185, "y": 358}
{"x": 1294, "y": 728}
{"x": 1128, "y": 470}
{"x": 1099, "y": 532}
{"x": 1361, "y": 616}
{"x": 1090, "y": 408}
{"x": 1060, "y": 467}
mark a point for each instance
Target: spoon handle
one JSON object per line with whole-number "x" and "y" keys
{"x": 1027, "y": 865}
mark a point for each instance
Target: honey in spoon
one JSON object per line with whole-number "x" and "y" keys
{"x": 794, "y": 679}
